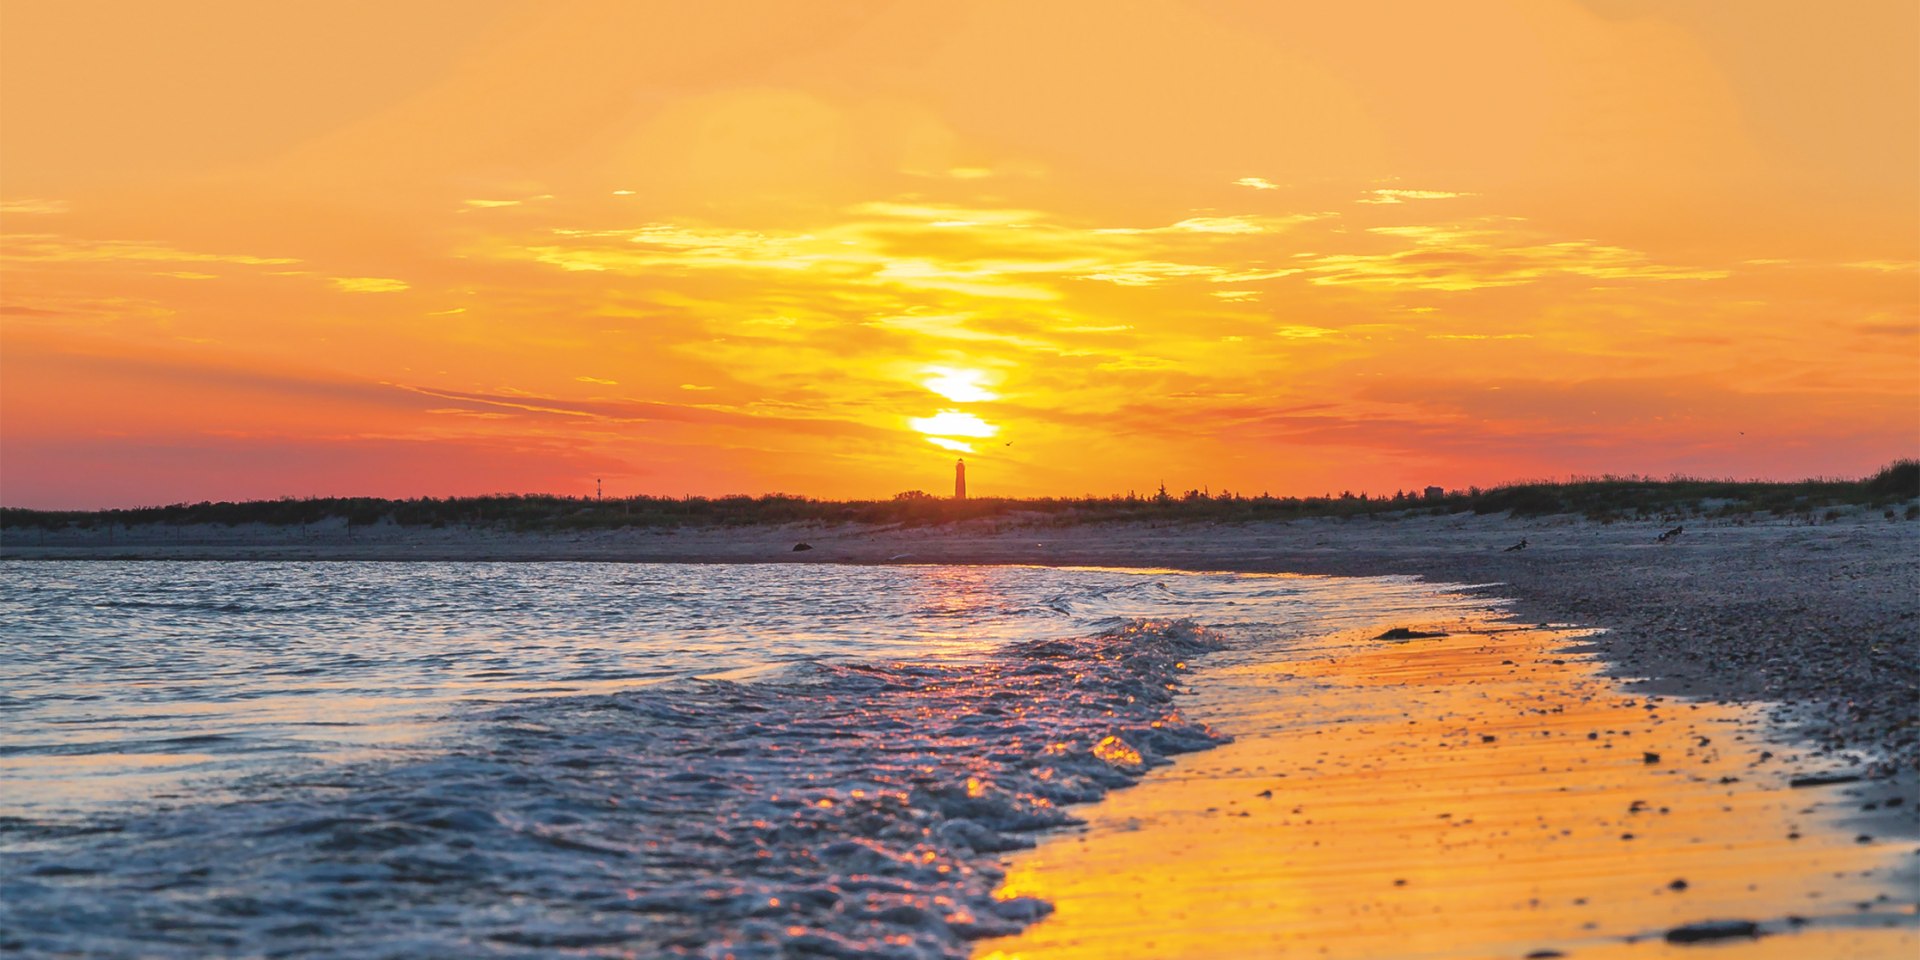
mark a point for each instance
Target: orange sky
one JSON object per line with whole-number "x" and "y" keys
{"x": 317, "y": 248}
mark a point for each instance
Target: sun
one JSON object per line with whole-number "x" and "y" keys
{"x": 946, "y": 428}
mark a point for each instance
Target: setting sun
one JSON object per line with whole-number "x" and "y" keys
{"x": 953, "y": 423}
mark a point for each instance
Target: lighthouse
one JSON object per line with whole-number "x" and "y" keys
{"x": 959, "y": 479}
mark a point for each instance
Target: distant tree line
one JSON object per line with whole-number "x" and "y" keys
{"x": 1605, "y": 499}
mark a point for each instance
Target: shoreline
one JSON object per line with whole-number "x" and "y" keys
{"x": 1823, "y": 620}
{"x": 1479, "y": 791}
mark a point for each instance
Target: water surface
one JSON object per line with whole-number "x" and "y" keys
{"x": 435, "y": 759}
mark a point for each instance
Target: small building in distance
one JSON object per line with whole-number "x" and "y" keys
{"x": 1435, "y": 493}
{"x": 959, "y": 479}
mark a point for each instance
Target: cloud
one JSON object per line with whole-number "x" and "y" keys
{"x": 944, "y": 213}
{"x": 33, "y": 205}
{"x": 1457, "y": 258}
{"x": 1303, "y": 332}
{"x": 981, "y": 280}
{"x": 369, "y": 284}
{"x": 187, "y": 371}
{"x": 1387, "y": 196}
{"x": 53, "y": 248}
{"x": 604, "y": 383}
{"x": 1881, "y": 325}
{"x": 1238, "y": 224}
{"x": 644, "y": 411}
{"x": 1257, "y": 183}
{"x": 1148, "y": 272}
{"x": 960, "y": 327}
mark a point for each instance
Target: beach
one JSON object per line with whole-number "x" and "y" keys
{"x": 1480, "y": 794}
{"x": 1600, "y": 740}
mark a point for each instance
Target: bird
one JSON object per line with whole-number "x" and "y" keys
{"x": 1522, "y": 545}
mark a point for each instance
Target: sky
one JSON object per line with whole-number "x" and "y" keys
{"x": 429, "y": 249}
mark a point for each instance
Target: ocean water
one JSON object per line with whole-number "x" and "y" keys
{"x": 461, "y": 760}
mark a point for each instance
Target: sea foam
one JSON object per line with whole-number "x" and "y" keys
{"x": 836, "y": 809}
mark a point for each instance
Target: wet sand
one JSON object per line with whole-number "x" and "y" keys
{"x": 1486, "y": 794}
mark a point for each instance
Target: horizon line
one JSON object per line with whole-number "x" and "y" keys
{"x": 1205, "y": 491}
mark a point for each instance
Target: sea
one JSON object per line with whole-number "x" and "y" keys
{"x": 428, "y": 759}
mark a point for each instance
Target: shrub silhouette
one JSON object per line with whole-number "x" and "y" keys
{"x": 1599, "y": 498}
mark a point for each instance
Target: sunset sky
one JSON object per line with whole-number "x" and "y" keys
{"x": 388, "y": 248}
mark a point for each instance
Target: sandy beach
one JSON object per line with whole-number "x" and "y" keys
{"x": 1482, "y": 794}
{"x": 1616, "y": 748}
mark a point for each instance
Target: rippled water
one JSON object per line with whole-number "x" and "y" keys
{"x": 434, "y": 759}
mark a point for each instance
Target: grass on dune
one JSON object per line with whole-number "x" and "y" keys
{"x": 1893, "y": 490}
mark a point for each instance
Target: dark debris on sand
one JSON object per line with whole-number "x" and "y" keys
{"x": 1824, "y": 619}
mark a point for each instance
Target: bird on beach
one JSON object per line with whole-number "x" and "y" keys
{"x": 1671, "y": 534}
{"x": 1522, "y": 545}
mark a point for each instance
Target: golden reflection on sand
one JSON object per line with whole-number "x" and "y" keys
{"x": 1481, "y": 794}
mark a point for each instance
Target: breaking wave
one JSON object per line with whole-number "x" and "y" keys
{"x": 835, "y": 809}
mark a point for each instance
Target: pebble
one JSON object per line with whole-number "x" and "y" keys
{"x": 1713, "y": 930}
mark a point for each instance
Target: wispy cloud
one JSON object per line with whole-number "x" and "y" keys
{"x": 946, "y": 213}
{"x": 1390, "y": 196}
{"x": 1458, "y": 258}
{"x": 53, "y": 248}
{"x": 33, "y": 205}
{"x": 369, "y": 284}
{"x": 1240, "y": 224}
{"x": 617, "y": 411}
{"x": 1257, "y": 183}
{"x": 1302, "y": 332}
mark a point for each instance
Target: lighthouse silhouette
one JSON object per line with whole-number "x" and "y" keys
{"x": 959, "y": 479}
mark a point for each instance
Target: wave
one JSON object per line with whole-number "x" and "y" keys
{"x": 839, "y": 809}
{"x": 202, "y": 606}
